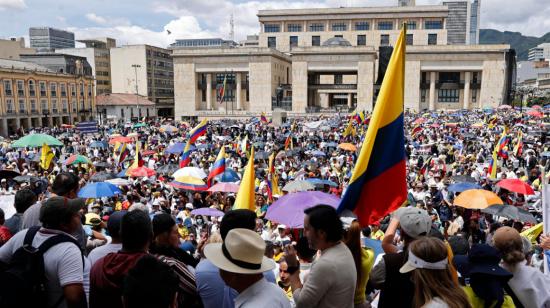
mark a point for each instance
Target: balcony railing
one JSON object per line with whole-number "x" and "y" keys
{"x": 34, "y": 111}
{"x": 22, "y": 111}
{"x": 45, "y": 112}
{"x": 343, "y": 86}
{"x": 10, "y": 111}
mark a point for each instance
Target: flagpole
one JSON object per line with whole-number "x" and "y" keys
{"x": 224, "y": 83}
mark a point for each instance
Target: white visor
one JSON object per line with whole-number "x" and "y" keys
{"x": 415, "y": 262}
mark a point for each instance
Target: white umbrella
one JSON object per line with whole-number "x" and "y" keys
{"x": 190, "y": 171}
{"x": 119, "y": 182}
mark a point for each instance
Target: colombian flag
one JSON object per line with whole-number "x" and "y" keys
{"x": 518, "y": 149}
{"x": 502, "y": 143}
{"x": 360, "y": 117}
{"x": 378, "y": 183}
{"x": 287, "y": 142}
{"x": 245, "y": 195}
{"x": 198, "y": 131}
{"x": 218, "y": 167}
{"x": 185, "y": 158}
{"x": 492, "y": 171}
{"x": 263, "y": 118}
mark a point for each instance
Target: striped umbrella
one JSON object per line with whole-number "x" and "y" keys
{"x": 189, "y": 183}
{"x": 77, "y": 159}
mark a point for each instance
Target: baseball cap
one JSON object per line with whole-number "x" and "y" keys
{"x": 57, "y": 208}
{"x": 113, "y": 224}
{"x": 189, "y": 206}
{"x": 414, "y": 222}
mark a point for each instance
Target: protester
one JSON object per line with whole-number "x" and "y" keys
{"x": 241, "y": 261}
{"x": 324, "y": 231}
{"x": 431, "y": 276}
{"x": 526, "y": 281}
{"x": 150, "y": 283}
{"x": 107, "y": 274}
{"x": 113, "y": 227}
{"x": 63, "y": 262}
{"x": 23, "y": 200}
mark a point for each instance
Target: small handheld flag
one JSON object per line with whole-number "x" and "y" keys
{"x": 218, "y": 167}
{"x": 185, "y": 158}
{"x": 221, "y": 93}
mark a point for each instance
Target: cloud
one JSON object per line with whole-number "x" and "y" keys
{"x": 12, "y": 4}
{"x": 95, "y": 18}
{"x": 183, "y": 27}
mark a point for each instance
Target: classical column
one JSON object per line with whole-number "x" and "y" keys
{"x": 208, "y": 91}
{"x": 466, "y": 98}
{"x": 350, "y": 100}
{"x": 40, "y": 121}
{"x": 432, "y": 91}
{"x": 29, "y": 123}
{"x": 238, "y": 92}
{"x": 4, "y": 128}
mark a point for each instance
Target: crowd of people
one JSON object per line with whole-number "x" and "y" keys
{"x": 147, "y": 247}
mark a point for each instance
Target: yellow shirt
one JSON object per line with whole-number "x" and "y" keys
{"x": 378, "y": 235}
{"x": 367, "y": 261}
{"x": 479, "y": 303}
{"x": 183, "y": 232}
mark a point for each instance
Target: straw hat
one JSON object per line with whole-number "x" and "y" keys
{"x": 241, "y": 252}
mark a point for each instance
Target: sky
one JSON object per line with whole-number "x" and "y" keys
{"x": 147, "y": 21}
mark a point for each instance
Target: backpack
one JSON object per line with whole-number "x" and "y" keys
{"x": 23, "y": 281}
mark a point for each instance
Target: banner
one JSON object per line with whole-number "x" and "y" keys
{"x": 87, "y": 127}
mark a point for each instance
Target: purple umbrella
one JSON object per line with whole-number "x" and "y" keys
{"x": 207, "y": 211}
{"x": 289, "y": 210}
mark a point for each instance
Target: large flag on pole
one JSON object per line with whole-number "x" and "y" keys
{"x": 46, "y": 157}
{"x": 198, "y": 131}
{"x": 378, "y": 182}
{"x": 221, "y": 93}
{"x": 245, "y": 196}
{"x": 185, "y": 157}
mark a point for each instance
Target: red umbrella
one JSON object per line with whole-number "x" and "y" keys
{"x": 419, "y": 121}
{"x": 435, "y": 125}
{"x": 517, "y": 186}
{"x": 121, "y": 139}
{"x": 537, "y": 107}
{"x": 148, "y": 153}
{"x": 535, "y": 113}
{"x": 141, "y": 172}
{"x": 225, "y": 187}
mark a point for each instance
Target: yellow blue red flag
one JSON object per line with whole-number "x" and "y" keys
{"x": 378, "y": 182}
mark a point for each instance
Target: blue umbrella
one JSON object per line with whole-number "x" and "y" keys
{"x": 98, "y": 190}
{"x": 460, "y": 187}
{"x": 228, "y": 176}
{"x": 176, "y": 148}
{"x": 99, "y": 144}
{"x": 316, "y": 181}
{"x": 331, "y": 145}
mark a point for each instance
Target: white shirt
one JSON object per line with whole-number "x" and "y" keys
{"x": 262, "y": 294}
{"x": 530, "y": 285}
{"x": 62, "y": 263}
{"x": 101, "y": 251}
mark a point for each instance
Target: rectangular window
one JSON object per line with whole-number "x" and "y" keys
{"x": 272, "y": 28}
{"x": 315, "y": 40}
{"x": 89, "y": 90}
{"x": 423, "y": 95}
{"x": 449, "y": 77}
{"x": 32, "y": 88}
{"x": 448, "y": 95}
{"x": 293, "y": 41}
{"x": 81, "y": 89}
{"x": 7, "y": 88}
{"x": 294, "y": 28}
{"x": 53, "y": 89}
{"x": 122, "y": 112}
{"x": 432, "y": 39}
{"x": 361, "y": 25}
{"x": 411, "y": 25}
{"x": 73, "y": 89}
{"x": 73, "y": 105}
{"x": 272, "y": 42}
{"x": 65, "y": 106}
{"x": 384, "y": 40}
{"x": 43, "y": 88}
{"x": 409, "y": 39}
{"x": 54, "y": 105}
{"x": 474, "y": 95}
{"x": 474, "y": 77}
{"x": 385, "y": 25}
{"x": 361, "y": 40}
{"x": 44, "y": 104}
{"x": 20, "y": 88}
{"x": 33, "y": 106}
{"x": 22, "y": 105}
{"x": 63, "y": 89}
{"x": 203, "y": 95}
{"x": 338, "y": 79}
{"x": 317, "y": 27}
{"x": 433, "y": 24}
{"x": 339, "y": 26}
{"x": 9, "y": 106}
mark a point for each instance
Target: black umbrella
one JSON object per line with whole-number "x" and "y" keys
{"x": 511, "y": 212}
{"x": 102, "y": 164}
{"x": 102, "y": 177}
{"x": 8, "y": 174}
{"x": 168, "y": 169}
{"x": 261, "y": 155}
{"x": 25, "y": 178}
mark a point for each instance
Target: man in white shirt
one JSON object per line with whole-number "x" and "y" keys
{"x": 113, "y": 226}
{"x": 63, "y": 263}
{"x": 241, "y": 261}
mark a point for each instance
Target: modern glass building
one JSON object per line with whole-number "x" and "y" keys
{"x": 46, "y": 38}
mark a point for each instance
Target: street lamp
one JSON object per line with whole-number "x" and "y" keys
{"x": 136, "y": 66}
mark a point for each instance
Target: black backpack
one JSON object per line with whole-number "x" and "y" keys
{"x": 23, "y": 281}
